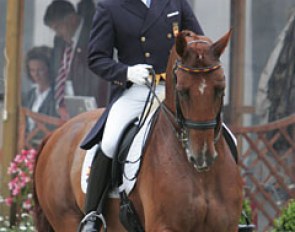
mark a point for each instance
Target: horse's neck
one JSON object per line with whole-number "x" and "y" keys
{"x": 170, "y": 88}
{"x": 166, "y": 154}
{"x": 165, "y": 136}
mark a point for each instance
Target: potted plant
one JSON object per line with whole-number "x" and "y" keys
{"x": 286, "y": 221}
{"x": 245, "y": 224}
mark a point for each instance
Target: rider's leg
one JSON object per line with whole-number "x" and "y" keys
{"x": 129, "y": 106}
{"x": 100, "y": 170}
{"x": 124, "y": 110}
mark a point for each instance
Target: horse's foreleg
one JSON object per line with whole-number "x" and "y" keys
{"x": 67, "y": 223}
{"x": 112, "y": 216}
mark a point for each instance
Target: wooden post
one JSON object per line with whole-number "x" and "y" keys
{"x": 237, "y": 62}
{"x": 13, "y": 59}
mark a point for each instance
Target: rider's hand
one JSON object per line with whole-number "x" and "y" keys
{"x": 138, "y": 73}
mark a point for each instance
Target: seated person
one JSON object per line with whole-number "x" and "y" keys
{"x": 40, "y": 98}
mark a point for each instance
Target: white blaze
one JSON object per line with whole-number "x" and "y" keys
{"x": 204, "y": 150}
{"x": 202, "y": 86}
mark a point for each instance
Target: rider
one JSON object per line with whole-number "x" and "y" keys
{"x": 143, "y": 34}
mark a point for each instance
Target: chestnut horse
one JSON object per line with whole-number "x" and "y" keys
{"x": 188, "y": 181}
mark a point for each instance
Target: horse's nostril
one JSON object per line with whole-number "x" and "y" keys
{"x": 192, "y": 159}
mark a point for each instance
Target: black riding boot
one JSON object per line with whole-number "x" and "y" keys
{"x": 99, "y": 177}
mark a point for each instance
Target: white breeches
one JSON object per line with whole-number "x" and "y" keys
{"x": 129, "y": 106}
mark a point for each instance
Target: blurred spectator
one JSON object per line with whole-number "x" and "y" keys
{"x": 40, "y": 98}
{"x": 70, "y": 53}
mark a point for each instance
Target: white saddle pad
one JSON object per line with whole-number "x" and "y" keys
{"x": 86, "y": 167}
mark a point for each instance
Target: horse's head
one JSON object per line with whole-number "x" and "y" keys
{"x": 199, "y": 90}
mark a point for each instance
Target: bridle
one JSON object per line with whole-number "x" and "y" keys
{"x": 190, "y": 69}
{"x": 179, "y": 115}
{"x": 181, "y": 120}
{"x": 184, "y": 124}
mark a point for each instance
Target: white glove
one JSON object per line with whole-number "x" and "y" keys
{"x": 138, "y": 73}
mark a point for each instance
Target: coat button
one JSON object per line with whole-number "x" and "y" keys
{"x": 169, "y": 35}
{"x": 142, "y": 39}
{"x": 147, "y": 55}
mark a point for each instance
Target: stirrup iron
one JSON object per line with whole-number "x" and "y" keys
{"x": 93, "y": 214}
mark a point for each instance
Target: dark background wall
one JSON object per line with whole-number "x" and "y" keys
{"x": 268, "y": 19}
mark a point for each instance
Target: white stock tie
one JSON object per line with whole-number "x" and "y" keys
{"x": 148, "y": 3}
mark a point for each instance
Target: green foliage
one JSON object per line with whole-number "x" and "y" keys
{"x": 286, "y": 222}
{"x": 247, "y": 211}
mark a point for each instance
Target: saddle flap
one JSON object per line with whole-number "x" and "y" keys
{"x": 122, "y": 152}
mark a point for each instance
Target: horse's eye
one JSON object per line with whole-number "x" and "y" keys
{"x": 184, "y": 94}
{"x": 219, "y": 93}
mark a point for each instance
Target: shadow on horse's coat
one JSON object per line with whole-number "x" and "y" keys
{"x": 188, "y": 180}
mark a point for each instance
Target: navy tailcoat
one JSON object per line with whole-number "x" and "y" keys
{"x": 140, "y": 35}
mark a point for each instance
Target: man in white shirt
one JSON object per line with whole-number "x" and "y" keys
{"x": 72, "y": 30}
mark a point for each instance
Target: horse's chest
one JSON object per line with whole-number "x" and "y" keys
{"x": 211, "y": 213}
{"x": 197, "y": 213}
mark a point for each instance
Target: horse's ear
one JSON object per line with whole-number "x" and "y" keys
{"x": 219, "y": 46}
{"x": 180, "y": 43}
